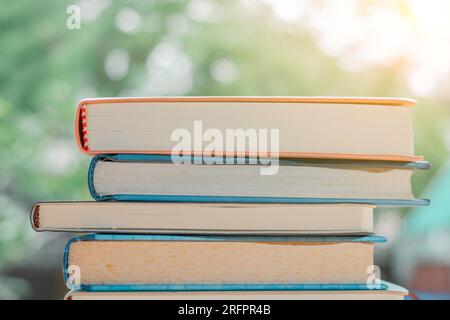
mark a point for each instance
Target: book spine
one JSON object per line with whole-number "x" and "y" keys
{"x": 84, "y": 137}
{"x": 80, "y": 128}
{"x": 65, "y": 262}
{"x": 90, "y": 178}
{"x": 34, "y": 217}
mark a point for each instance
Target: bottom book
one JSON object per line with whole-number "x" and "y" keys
{"x": 393, "y": 292}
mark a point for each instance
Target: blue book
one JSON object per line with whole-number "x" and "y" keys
{"x": 111, "y": 262}
{"x": 131, "y": 177}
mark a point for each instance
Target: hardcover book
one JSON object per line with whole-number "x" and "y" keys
{"x": 129, "y": 177}
{"x": 210, "y": 263}
{"x": 314, "y": 127}
{"x": 202, "y": 218}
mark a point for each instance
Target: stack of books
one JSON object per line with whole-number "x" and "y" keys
{"x": 235, "y": 197}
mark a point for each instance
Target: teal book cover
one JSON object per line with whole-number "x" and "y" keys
{"x": 143, "y": 158}
{"x": 310, "y": 240}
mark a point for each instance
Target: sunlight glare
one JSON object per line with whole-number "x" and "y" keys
{"x": 410, "y": 35}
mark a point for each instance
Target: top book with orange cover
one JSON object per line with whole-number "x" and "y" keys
{"x": 287, "y": 127}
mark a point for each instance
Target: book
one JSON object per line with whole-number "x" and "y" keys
{"x": 314, "y": 127}
{"x": 108, "y": 262}
{"x": 392, "y": 292}
{"x": 202, "y": 218}
{"x": 129, "y": 177}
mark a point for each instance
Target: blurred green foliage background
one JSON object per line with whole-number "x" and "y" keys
{"x": 197, "y": 47}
